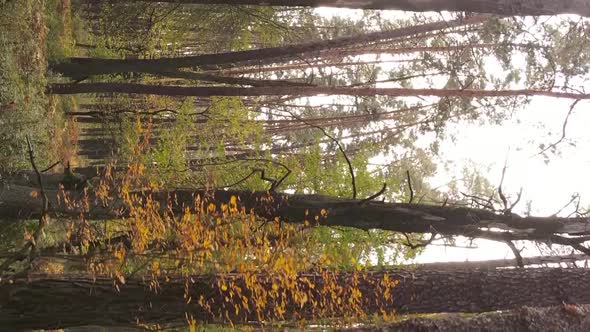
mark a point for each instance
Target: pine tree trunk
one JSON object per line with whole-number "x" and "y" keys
{"x": 526, "y": 319}
{"x": 568, "y": 260}
{"x": 58, "y": 302}
{"x": 298, "y": 91}
{"x": 500, "y": 7}
{"x": 84, "y": 67}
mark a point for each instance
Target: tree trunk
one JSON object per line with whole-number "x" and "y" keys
{"x": 228, "y": 79}
{"x": 300, "y": 66}
{"x": 18, "y": 201}
{"x": 84, "y": 67}
{"x": 339, "y": 54}
{"x": 298, "y": 91}
{"x": 330, "y": 211}
{"x": 500, "y": 7}
{"x": 58, "y": 302}
{"x": 492, "y": 264}
{"x": 401, "y": 217}
{"x": 526, "y": 319}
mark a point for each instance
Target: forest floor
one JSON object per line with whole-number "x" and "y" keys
{"x": 33, "y": 33}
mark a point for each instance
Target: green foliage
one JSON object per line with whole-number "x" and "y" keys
{"x": 11, "y": 234}
{"x": 168, "y": 158}
{"x": 22, "y": 82}
{"x": 60, "y": 42}
{"x": 229, "y": 124}
{"x": 156, "y": 29}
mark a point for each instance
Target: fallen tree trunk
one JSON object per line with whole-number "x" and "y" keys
{"x": 503, "y": 263}
{"x": 18, "y": 201}
{"x": 526, "y": 319}
{"x": 329, "y": 211}
{"x": 370, "y": 214}
{"x": 58, "y": 302}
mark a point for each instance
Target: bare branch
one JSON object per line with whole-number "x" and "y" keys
{"x": 410, "y": 187}
{"x": 375, "y": 195}
{"x": 43, "y": 217}
{"x": 52, "y": 166}
{"x": 572, "y": 199}
{"x": 500, "y": 193}
{"x": 421, "y": 244}
{"x": 275, "y": 183}
{"x": 516, "y": 201}
{"x": 563, "y": 128}
{"x": 31, "y": 245}
{"x": 517, "y": 256}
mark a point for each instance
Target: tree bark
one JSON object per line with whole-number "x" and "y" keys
{"x": 330, "y": 211}
{"x": 339, "y": 54}
{"x": 526, "y": 319}
{"x": 84, "y": 67}
{"x": 18, "y": 201}
{"x": 59, "y": 302}
{"x": 298, "y": 91}
{"x": 299, "y": 66}
{"x": 499, "y": 7}
{"x": 229, "y": 79}
{"x": 502, "y": 263}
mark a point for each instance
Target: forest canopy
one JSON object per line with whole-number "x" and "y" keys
{"x": 217, "y": 164}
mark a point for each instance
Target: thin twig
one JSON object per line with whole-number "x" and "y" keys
{"x": 574, "y": 197}
{"x": 410, "y": 187}
{"x": 421, "y": 244}
{"x": 375, "y": 195}
{"x": 45, "y": 208}
{"x": 575, "y": 243}
{"x": 31, "y": 245}
{"x": 275, "y": 183}
{"x": 518, "y": 197}
{"x": 254, "y": 171}
{"x": 500, "y": 193}
{"x": 480, "y": 202}
{"x": 563, "y": 128}
{"x": 52, "y": 166}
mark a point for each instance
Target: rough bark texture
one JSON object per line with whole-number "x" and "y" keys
{"x": 53, "y": 302}
{"x": 228, "y": 79}
{"x": 500, "y": 263}
{"x": 83, "y": 67}
{"x": 18, "y": 201}
{"x": 500, "y": 7}
{"x": 526, "y": 319}
{"x": 298, "y": 91}
{"x": 400, "y": 217}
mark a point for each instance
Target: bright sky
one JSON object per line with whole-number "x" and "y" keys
{"x": 548, "y": 186}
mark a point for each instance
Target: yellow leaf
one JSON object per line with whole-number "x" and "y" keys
{"x": 211, "y": 208}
